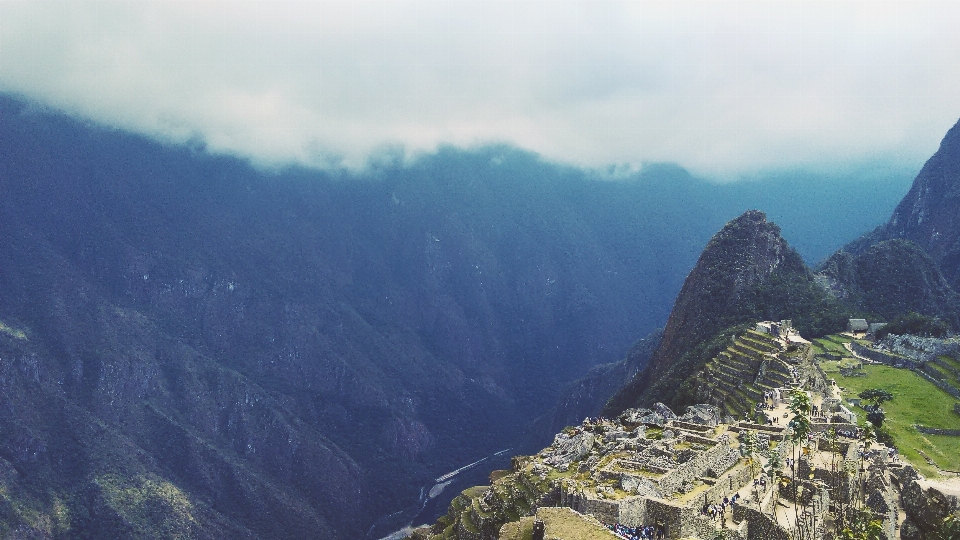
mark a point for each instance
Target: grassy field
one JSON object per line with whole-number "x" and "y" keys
{"x": 916, "y": 401}
{"x": 832, "y": 344}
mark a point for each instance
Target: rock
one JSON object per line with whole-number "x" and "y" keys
{"x": 926, "y": 509}
{"x": 570, "y": 450}
{"x": 703, "y": 414}
{"x": 664, "y": 411}
{"x": 877, "y": 502}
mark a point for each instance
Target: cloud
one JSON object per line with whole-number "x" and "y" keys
{"x": 722, "y": 87}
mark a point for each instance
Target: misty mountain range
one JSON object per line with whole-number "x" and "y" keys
{"x": 218, "y": 351}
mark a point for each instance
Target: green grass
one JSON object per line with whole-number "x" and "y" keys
{"x": 829, "y": 345}
{"x": 916, "y": 401}
{"x": 950, "y": 361}
{"x": 837, "y": 338}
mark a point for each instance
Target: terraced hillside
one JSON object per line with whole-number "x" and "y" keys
{"x": 736, "y": 379}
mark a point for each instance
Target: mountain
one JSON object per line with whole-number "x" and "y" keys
{"x": 202, "y": 347}
{"x": 928, "y": 215}
{"x": 912, "y": 262}
{"x": 747, "y": 272}
{"x": 889, "y": 279}
{"x": 193, "y": 346}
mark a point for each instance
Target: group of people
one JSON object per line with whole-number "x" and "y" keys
{"x": 717, "y": 510}
{"x": 643, "y": 532}
{"x": 849, "y": 433}
{"x": 760, "y": 483}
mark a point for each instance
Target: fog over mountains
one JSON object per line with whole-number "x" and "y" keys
{"x": 266, "y": 353}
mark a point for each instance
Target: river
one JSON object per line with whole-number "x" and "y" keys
{"x": 435, "y": 497}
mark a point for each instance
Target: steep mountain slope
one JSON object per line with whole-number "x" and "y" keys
{"x": 929, "y": 214}
{"x": 891, "y": 278}
{"x": 223, "y": 351}
{"x": 912, "y": 262}
{"x": 299, "y": 348}
{"x": 746, "y": 273}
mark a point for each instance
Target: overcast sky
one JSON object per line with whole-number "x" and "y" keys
{"x": 723, "y": 88}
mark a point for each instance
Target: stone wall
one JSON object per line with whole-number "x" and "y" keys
{"x": 882, "y": 357}
{"x": 605, "y": 510}
{"x": 698, "y": 526}
{"x": 947, "y": 367}
{"x": 719, "y": 458}
{"x": 667, "y": 514}
{"x": 699, "y": 428}
{"x": 728, "y": 484}
{"x": 821, "y": 427}
{"x": 938, "y": 431}
{"x": 633, "y": 511}
{"x": 759, "y": 525}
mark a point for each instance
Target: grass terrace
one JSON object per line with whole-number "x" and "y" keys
{"x": 916, "y": 401}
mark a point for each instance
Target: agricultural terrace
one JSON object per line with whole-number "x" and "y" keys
{"x": 916, "y": 401}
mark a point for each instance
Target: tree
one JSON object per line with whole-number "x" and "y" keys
{"x": 799, "y": 429}
{"x": 749, "y": 444}
{"x": 949, "y": 529}
{"x": 876, "y": 417}
{"x": 861, "y": 526}
{"x": 915, "y": 324}
{"x": 877, "y": 396}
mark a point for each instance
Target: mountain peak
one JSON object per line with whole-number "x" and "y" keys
{"x": 728, "y": 286}
{"x": 744, "y": 253}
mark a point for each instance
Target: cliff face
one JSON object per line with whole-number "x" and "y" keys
{"x": 587, "y": 396}
{"x": 746, "y": 273}
{"x": 929, "y": 214}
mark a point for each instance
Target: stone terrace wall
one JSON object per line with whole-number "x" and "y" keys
{"x": 719, "y": 458}
{"x": 946, "y": 387}
{"x": 821, "y": 427}
{"x": 938, "y": 431}
{"x": 667, "y": 514}
{"x": 633, "y": 511}
{"x": 759, "y": 526}
{"x": 704, "y": 528}
{"x": 602, "y": 509}
{"x": 882, "y": 357}
{"x": 699, "y": 428}
{"x": 728, "y": 484}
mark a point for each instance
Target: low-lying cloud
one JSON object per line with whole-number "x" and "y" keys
{"x": 722, "y": 87}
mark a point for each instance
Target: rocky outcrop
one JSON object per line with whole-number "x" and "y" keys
{"x": 925, "y": 509}
{"x": 566, "y": 449}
